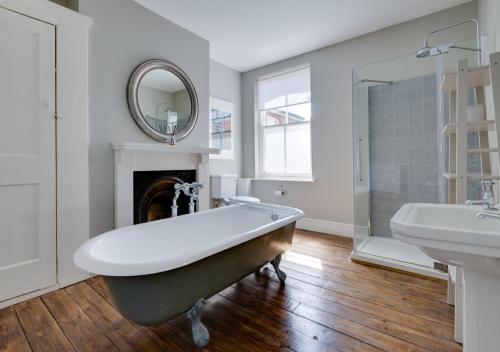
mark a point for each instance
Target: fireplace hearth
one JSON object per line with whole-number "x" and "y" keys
{"x": 154, "y": 192}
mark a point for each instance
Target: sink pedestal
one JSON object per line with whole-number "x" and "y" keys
{"x": 481, "y": 310}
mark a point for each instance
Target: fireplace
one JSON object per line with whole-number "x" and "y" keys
{"x": 154, "y": 192}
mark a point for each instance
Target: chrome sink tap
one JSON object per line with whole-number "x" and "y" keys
{"x": 488, "y": 197}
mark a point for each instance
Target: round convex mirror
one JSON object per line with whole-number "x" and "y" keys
{"x": 162, "y": 100}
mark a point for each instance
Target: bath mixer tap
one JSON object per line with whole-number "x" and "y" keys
{"x": 174, "y": 207}
{"x": 193, "y": 193}
{"x": 192, "y": 190}
{"x": 488, "y": 197}
{"x": 173, "y": 129}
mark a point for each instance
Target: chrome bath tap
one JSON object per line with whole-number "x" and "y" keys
{"x": 192, "y": 190}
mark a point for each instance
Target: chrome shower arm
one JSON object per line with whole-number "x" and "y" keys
{"x": 464, "y": 48}
{"x": 475, "y": 21}
{"x": 478, "y": 38}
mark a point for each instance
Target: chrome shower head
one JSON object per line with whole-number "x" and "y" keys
{"x": 427, "y": 50}
{"x": 424, "y": 52}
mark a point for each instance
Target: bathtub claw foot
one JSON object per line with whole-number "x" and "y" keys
{"x": 276, "y": 265}
{"x": 201, "y": 337}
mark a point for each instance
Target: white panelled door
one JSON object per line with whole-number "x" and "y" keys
{"x": 27, "y": 155}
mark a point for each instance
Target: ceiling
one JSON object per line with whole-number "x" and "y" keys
{"x": 246, "y": 34}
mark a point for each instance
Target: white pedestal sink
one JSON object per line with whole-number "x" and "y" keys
{"x": 452, "y": 234}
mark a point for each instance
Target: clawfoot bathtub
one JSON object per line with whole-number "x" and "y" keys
{"x": 158, "y": 270}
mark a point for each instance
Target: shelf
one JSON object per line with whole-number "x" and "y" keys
{"x": 486, "y": 125}
{"x": 478, "y": 77}
{"x": 483, "y": 150}
{"x": 166, "y": 148}
{"x": 474, "y": 176}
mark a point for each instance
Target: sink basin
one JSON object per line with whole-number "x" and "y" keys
{"x": 452, "y": 228}
{"x": 454, "y": 235}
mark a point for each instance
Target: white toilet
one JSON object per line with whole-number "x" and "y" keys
{"x": 233, "y": 188}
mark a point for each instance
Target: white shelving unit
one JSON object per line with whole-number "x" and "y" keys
{"x": 456, "y": 84}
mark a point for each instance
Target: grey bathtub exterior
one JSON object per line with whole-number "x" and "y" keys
{"x": 154, "y": 299}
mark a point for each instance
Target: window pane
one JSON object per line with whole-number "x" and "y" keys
{"x": 298, "y": 149}
{"x": 294, "y": 86}
{"x": 271, "y": 93}
{"x": 273, "y": 151}
{"x": 299, "y": 113}
{"x": 298, "y": 86}
{"x": 273, "y": 117}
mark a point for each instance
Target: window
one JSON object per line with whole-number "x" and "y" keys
{"x": 284, "y": 120}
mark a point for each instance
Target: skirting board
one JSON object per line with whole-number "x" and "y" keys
{"x": 27, "y": 296}
{"x": 324, "y": 226}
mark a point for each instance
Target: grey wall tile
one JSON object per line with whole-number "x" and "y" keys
{"x": 403, "y": 148}
{"x": 416, "y": 106}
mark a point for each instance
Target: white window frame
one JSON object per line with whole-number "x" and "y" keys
{"x": 259, "y": 132}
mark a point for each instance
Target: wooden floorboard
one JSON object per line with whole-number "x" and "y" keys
{"x": 42, "y": 331}
{"x": 82, "y": 333}
{"x": 12, "y": 338}
{"x": 328, "y": 303}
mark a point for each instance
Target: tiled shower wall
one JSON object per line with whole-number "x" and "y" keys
{"x": 404, "y": 163}
{"x": 404, "y": 148}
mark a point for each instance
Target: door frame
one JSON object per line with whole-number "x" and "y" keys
{"x": 72, "y": 137}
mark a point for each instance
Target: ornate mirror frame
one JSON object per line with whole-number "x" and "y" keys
{"x": 133, "y": 101}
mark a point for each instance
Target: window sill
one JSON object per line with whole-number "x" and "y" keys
{"x": 285, "y": 179}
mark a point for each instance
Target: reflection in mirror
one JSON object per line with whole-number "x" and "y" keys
{"x": 164, "y": 101}
{"x": 222, "y": 127}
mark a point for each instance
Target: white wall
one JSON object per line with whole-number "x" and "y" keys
{"x": 330, "y": 197}
{"x": 225, "y": 83}
{"x": 182, "y": 105}
{"x": 123, "y": 35}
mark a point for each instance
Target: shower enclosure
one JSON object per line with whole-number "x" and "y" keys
{"x": 400, "y": 154}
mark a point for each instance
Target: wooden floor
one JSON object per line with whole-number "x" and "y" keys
{"x": 328, "y": 304}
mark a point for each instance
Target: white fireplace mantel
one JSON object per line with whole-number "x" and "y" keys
{"x": 165, "y": 148}
{"x": 130, "y": 157}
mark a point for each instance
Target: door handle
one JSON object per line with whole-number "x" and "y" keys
{"x": 358, "y": 164}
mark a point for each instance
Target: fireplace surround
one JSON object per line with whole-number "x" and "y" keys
{"x": 131, "y": 157}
